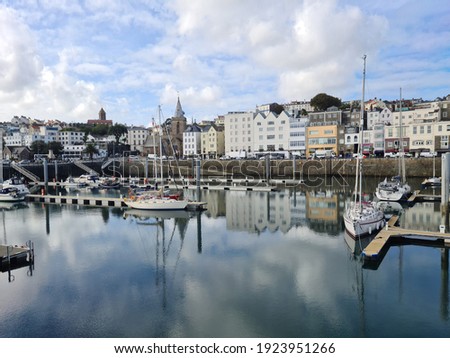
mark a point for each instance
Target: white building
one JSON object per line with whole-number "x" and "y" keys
{"x": 271, "y": 131}
{"x": 297, "y": 135}
{"x": 192, "y": 140}
{"x": 296, "y": 107}
{"x": 238, "y": 132}
{"x": 70, "y": 137}
{"x": 137, "y": 137}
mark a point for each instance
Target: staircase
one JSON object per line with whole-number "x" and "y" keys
{"x": 25, "y": 172}
{"x": 81, "y": 165}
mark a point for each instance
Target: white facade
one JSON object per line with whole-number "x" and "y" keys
{"x": 48, "y": 134}
{"x": 70, "y": 137}
{"x": 297, "y": 106}
{"x": 74, "y": 150}
{"x": 238, "y": 132}
{"x": 271, "y": 131}
{"x": 192, "y": 140}
{"x": 137, "y": 137}
{"x": 297, "y": 134}
{"x": 379, "y": 117}
{"x": 14, "y": 139}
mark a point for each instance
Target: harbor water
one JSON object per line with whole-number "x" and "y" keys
{"x": 255, "y": 264}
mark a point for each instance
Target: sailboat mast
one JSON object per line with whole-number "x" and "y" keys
{"x": 160, "y": 145}
{"x": 155, "y": 165}
{"x": 401, "y": 150}
{"x": 361, "y": 134}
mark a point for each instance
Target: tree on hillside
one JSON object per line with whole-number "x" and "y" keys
{"x": 276, "y": 108}
{"x": 39, "y": 147}
{"x": 322, "y": 101}
{"x": 99, "y": 130}
{"x": 118, "y": 130}
{"x": 56, "y": 147}
{"x": 91, "y": 150}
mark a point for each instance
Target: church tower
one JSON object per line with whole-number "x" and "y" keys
{"x": 178, "y": 125}
{"x": 102, "y": 115}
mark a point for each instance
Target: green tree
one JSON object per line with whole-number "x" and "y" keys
{"x": 56, "y": 147}
{"x": 39, "y": 147}
{"x": 118, "y": 130}
{"x": 99, "y": 130}
{"x": 322, "y": 101}
{"x": 91, "y": 150}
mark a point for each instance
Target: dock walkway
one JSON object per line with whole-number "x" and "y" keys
{"x": 95, "y": 201}
{"x": 374, "y": 250}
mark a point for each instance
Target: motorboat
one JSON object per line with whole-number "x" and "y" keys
{"x": 109, "y": 183}
{"x": 17, "y": 183}
{"x": 91, "y": 180}
{"x": 71, "y": 182}
{"x": 11, "y": 194}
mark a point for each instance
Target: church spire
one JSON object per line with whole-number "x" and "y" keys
{"x": 179, "y": 113}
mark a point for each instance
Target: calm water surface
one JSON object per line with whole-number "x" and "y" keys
{"x": 254, "y": 265}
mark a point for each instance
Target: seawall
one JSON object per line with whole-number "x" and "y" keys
{"x": 257, "y": 169}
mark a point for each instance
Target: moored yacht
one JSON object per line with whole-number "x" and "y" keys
{"x": 362, "y": 217}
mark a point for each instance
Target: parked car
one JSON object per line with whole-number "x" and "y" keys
{"x": 428, "y": 154}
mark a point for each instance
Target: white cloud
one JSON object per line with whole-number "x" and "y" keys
{"x": 219, "y": 56}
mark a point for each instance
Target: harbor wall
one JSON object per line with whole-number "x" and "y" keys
{"x": 252, "y": 169}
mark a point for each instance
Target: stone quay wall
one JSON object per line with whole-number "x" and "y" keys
{"x": 251, "y": 169}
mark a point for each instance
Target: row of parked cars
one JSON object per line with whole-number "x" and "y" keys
{"x": 409, "y": 155}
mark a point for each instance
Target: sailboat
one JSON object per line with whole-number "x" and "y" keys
{"x": 396, "y": 189}
{"x": 156, "y": 199}
{"x": 362, "y": 217}
{"x": 434, "y": 180}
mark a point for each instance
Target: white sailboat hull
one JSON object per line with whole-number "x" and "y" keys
{"x": 156, "y": 204}
{"x": 392, "y": 191}
{"x": 363, "y": 222}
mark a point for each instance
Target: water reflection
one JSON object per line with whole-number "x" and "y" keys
{"x": 256, "y": 264}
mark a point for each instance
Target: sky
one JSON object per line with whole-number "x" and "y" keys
{"x": 66, "y": 59}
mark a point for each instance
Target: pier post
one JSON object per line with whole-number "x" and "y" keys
{"x": 445, "y": 181}
{"x": 56, "y": 170}
{"x": 293, "y": 167}
{"x": 146, "y": 169}
{"x": 267, "y": 168}
{"x": 197, "y": 175}
{"x": 45, "y": 164}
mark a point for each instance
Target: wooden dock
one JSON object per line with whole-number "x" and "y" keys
{"x": 375, "y": 249}
{"x": 417, "y": 196}
{"x": 14, "y": 256}
{"x": 77, "y": 200}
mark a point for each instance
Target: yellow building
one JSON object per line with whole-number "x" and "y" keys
{"x": 212, "y": 142}
{"x": 322, "y": 137}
